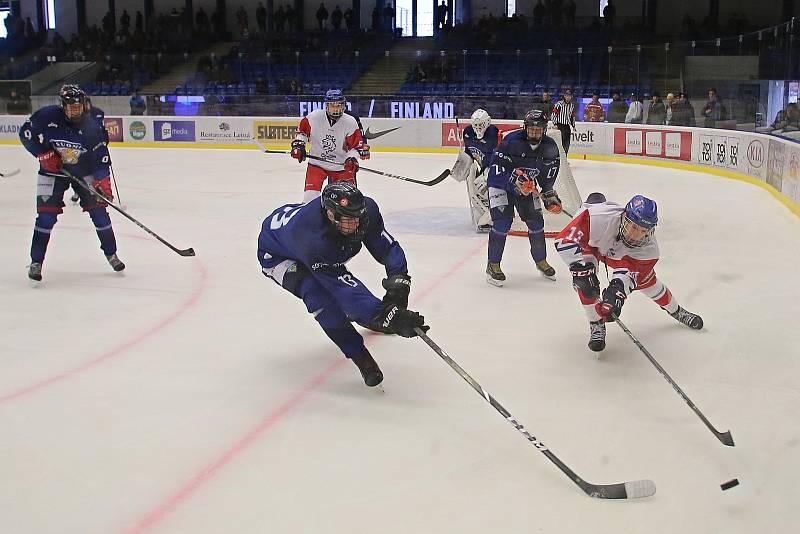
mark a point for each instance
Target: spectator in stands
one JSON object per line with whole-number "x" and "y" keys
{"x": 350, "y": 19}
{"x": 336, "y": 18}
{"x": 544, "y": 104}
{"x": 30, "y": 33}
{"x": 138, "y": 105}
{"x": 241, "y": 20}
{"x": 376, "y": 19}
{"x": 669, "y": 104}
{"x": 322, "y": 16}
{"x": 594, "y": 112}
{"x": 569, "y": 11}
{"x": 441, "y": 12}
{"x": 139, "y": 21}
{"x": 609, "y": 12}
{"x": 635, "y": 111}
{"x": 291, "y": 23}
{"x": 17, "y": 104}
{"x": 656, "y": 112}
{"x": 791, "y": 118}
{"x": 261, "y": 87}
{"x": 538, "y": 13}
{"x": 125, "y": 21}
{"x": 683, "y": 111}
{"x": 714, "y": 110}
{"x": 280, "y": 19}
{"x": 261, "y": 17}
{"x": 617, "y": 109}
{"x": 108, "y": 22}
{"x": 388, "y": 17}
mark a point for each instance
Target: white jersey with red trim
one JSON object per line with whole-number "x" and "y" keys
{"x": 593, "y": 236}
{"x": 333, "y": 142}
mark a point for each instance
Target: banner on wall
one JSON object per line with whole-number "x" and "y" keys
{"x": 174, "y": 131}
{"x": 275, "y": 131}
{"x": 665, "y": 144}
{"x": 113, "y": 126}
{"x": 137, "y": 131}
{"x": 10, "y": 126}
{"x": 453, "y": 135}
{"x": 223, "y": 131}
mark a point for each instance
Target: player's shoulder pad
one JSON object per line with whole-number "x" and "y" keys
{"x": 548, "y": 148}
{"x": 48, "y": 114}
{"x": 492, "y": 131}
{"x": 515, "y": 135}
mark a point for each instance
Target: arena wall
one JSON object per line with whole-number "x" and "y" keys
{"x": 767, "y": 161}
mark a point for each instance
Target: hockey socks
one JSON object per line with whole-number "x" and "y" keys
{"x": 41, "y": 235}
{"x": 105, "y": 233}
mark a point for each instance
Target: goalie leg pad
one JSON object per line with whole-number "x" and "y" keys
{"x": 464, "y": 167}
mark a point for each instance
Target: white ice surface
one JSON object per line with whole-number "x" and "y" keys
{"x": 193, "y": 395}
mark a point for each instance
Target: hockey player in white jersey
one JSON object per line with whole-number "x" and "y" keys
{"x": 335, "y": 137}
{"x": 623, "y": 238}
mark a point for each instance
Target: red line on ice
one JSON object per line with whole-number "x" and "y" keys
{"x": 155, "y": 516}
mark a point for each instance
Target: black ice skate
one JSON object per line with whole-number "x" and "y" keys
{"x": 115, "y": 262}
{"x": 483, "y": 228}
{"x": 369, "y": 368}
{"x": 546, "y": 269}
{"x": 35, "y": 271}
{"x": 494, "y": 275}
{"x": 597, "y": 335}
{"x": 692, "y": 320}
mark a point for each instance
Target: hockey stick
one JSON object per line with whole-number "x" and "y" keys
{"x": 724, "y": 437}
{"x": 623, "y": 490}
{"x": 435, "y": 181}
{"x": 9, "y": 173}
{"x": 97, "y": 194}
{"x": 114, "y": 179}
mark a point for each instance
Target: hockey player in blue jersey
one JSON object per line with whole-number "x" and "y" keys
{"x": 481, "y": 138}
{"x": 522, "y": 175}
{"x": 65, "y": 137}
{"x": 304, "y": 248}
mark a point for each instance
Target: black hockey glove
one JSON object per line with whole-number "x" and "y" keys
{"x": 584, "y": 279}
{"x": 298, "y": 150}
{"x": 399, "y": 321}
{"x": 397, "y": 287}
{"x": 551, "y": 201}
{"x": 613, "y": 298}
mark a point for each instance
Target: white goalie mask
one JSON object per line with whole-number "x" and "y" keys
{"x": 480, "y": 122}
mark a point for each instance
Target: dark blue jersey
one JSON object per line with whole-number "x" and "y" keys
{"x": 81, "y": 145}
{"x": 481, "y": 149}
{"x": 302, "y": 232}
{"x": 515, "y": 152}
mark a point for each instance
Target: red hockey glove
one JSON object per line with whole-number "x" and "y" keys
{"x": 351, "y": 167}
{"x": 298, "y": 150}
{"x": 50, "y": 161}
{"x": 363, "y": 150}
{"x": 551, "y": 202}
{"x": 103, "y": 186}
{"x": 613, "y": 298}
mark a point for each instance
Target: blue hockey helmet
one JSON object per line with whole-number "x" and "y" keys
{"x": 73, "y": 101}
{"x": 335, "y": 103}
{"x": 344, "y": 200}
{"x": 639, "y": 221}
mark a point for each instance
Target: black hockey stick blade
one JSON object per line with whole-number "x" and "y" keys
{"x": 9, "y": 174}
{"x": 80, "y": 183}
{"x": 636, "y": 489}
{"x": 724, "y": 437}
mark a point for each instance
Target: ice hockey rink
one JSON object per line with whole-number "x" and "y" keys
{"x": 193, "y": 395}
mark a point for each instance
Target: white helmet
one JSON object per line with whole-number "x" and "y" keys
{"x": 480, "y": 122}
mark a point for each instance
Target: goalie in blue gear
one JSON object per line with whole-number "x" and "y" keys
{"x": 304, "y": 249}
{"x": 522, "y": 177}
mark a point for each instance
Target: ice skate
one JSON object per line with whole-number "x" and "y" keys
{"x": 546, "y": 269}
{"x": 597, "y": 336}
{"x": 692, "y": 320}
{"x": 494, "y": 275}
{"x": 483, "y": 228}
{"x": 35, "y": 271}
{"x": 369, "y": 368}
{"x": 115, "y": 262}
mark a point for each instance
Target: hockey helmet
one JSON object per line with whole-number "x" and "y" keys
{"x": 335, "y": 103}
{"x": 480, "y": 121}
{"x": 638, "y": 223}
{"x": 534, "y": 124}
{"x": 73, "y": 101}
{"x": 346, "y": 208}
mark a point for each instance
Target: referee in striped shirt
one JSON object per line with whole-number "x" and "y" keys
{"x": 564, "y": 118}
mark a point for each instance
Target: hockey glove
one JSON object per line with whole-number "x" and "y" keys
{"x": 351, "y": 168}
{"x": 50, "y": 161}
{"x": 103, "y": 186}
{"x": 399, "y": 321}
{"x": 298, "y": 150}
{"x": 551, "y": 201}
{"x": 524, "y": 183}
{"x": 613, "y": 298}
{"x": 363, "y": 150}
{"x": 397, "y": 287}
{"x": 584, "y": 279}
